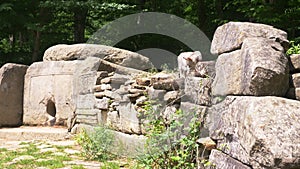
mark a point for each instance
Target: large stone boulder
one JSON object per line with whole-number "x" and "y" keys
{"x": 49, "y": 93}
{"x": 198, "y": 90}
{"x": 259, "y": 131}
{"x": 230, "y": 36}
{"x": 82, "y": 51}
{"x": 259, "y": 68}
{"x": 11, "y": 94}
{"x": 125, "y": 119}
{"x": 220, "y": 160}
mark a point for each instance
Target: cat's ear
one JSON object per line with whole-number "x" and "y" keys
{"x": 188, "y": 59}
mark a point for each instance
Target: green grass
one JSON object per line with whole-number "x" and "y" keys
{"x": 48, "y": 159}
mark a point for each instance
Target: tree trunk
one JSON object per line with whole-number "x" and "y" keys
{"x": 36, "y": 48}
{"x": 219, "y": 9}
{"x": 202, "y": 15}
{"x": 80, "y": 15}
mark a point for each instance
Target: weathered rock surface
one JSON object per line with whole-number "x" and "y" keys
{"x": 205, "y": 69}
{"x": 295, "y": 62}
{"x": 125, "y": 119}
{"x": 220, "y": 160}
{"x": 295, "y": 81}
{"x": 112, "y": 67}
{"x": 260, "y": 68}
{"x": 230, "y": 36}
{"x": 48, "y": 93}
{"x": 11, "y": 94}
{"x": 198, "y": 90}
{"x": 82, "y": 51}
{"x": 190, "y": 109}
{"x": 259, "y": 131}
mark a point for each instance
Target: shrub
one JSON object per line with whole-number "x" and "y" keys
{"x": 294, "y": 49}
{"x": 171, "y": 143}
{"x": 97, "y": 144}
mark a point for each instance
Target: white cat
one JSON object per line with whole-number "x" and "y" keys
{"x": 187, "y": 62}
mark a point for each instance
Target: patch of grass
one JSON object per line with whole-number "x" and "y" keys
{"x": 78, "y": 167}
{"x": 52, "y": 164}
{"x": 46, "y": 159}
{"x": 110, "y": 165}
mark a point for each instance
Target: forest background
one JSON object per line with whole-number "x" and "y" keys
{"x": 29, "y": 27}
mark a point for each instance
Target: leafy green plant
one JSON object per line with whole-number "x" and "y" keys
{"x": 97, "y": 144}
{"x": 294, "y": 49}
{"x": 171, "y": 143}
{"x": 110, "y": 165}
{"x": 31, "y": 156}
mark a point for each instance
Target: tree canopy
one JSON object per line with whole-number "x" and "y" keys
{"x": 29, "y": 27}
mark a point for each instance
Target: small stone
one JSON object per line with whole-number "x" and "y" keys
{"x": 102, "y": 87}
{"x": 207, "y": 142}
{"x": 101, "y": 75}
{"x": 111, "y": 73}
{"x": 102, "y": 104}
{"x": 136, "y": 86}
{"x": 109, "y": 94}
{"x": 159, "y": 77}
{"x": 137, "y": 91}
{"x": 21, "y": 158}
{"x": 172, "y": 97}
{"x": 129, "y": 82}
{"x": 296, "y": 80}
{"x": 48, "y": 150}
{"x": 123, "y": 90}
{"x": 105, "y": 80}
{"x": 169, "y": 84}
{"x": 295, "y": 62}
{"x": 141, "y": 100}
{"x": 156, "y": 94}
{"x": 99, "y": 94}
{"x": 71, "y": 151}
{"x": 133, "y": 97}
{"x": 143, "y": 81}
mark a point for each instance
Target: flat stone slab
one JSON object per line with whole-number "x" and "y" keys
{"x": 25, "y": 133}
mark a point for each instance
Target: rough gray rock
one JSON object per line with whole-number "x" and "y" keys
{"x": 48, "y": 92}
{"x": 163, "y": 81}
{"x": 82, "y": 51}
{"x": 295, "y": 62}
{"x": 205, "y": 69}
{"x": 190, "y": 109}
{"x": 295, "y": 80}
{"x": 198, "y": 90}
{"x": 11, "y": 94}
{"x": 231, "y": 36}
{"x": 172, "y": 97}
{"x": 260, "y": 68}
{"x": 125, "y": 119}
{"x": 260, "y": 131}
{"x": 219, "y": 160}
{"x": 102, "y": 104}
{"x": 228, "y": 78}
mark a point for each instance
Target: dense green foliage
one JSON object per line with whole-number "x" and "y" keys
{"x": 29, "y": 27}
{"x": 97, "y": 144}
{"x": 171, "y": 143}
